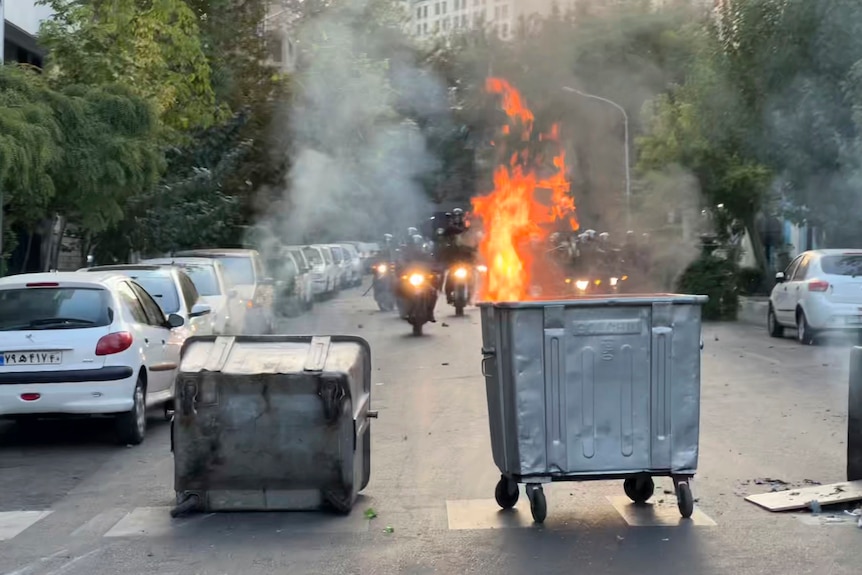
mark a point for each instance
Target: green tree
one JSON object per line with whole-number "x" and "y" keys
{"x": 152, "y": 46}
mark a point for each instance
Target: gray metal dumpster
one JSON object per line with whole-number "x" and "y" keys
{"x": 600, "y": 387}
{"x": 272, "y": 423}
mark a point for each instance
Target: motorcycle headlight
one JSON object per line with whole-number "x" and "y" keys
{"x": 461, "y": 273}
{"x": 382, "y": 268}
{"x": 482, "y": 269}
{"x": 582, "y": 284}
{"x": 416, "y": 279}
{"x": 614, "y": 281}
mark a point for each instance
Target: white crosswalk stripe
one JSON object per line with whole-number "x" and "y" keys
{"x": 473, "y": 514}
{"x": 14, "y": 522}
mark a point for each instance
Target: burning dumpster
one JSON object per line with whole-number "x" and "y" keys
{"x": 593, "y": 388}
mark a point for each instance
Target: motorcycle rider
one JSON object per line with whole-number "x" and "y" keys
{"x": 416, "y": 253}
{"x": 454, "y": 247}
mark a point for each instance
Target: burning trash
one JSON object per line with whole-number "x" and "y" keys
{"x": 518, "y": 214}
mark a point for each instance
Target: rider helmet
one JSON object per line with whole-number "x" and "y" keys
{"x": 458, "y": 216}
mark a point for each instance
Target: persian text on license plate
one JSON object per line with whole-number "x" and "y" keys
{"x": 31, "y": 357}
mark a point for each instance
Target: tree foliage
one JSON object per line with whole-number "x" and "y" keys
{"x": 151, "y": 46}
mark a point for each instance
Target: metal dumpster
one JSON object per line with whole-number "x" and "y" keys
{"x": 599, "y": 387}
{"x": 272, "y": 423}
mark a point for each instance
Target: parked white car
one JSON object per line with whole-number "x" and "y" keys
{"x": 85, "y": 344}
{"x": 210, "y": 279}
{"x": 305, "y": 269}
{"x": 821, "y": 290}
{"x": 172, "y": 289}
{"x": 324, "y": 273}
{"x": 251, "y": 292}
{"x": 342, "y": 262}
{"x": 354, "y": 262}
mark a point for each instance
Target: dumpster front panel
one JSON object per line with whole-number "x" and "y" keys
{"x": 592, "y": 387}
{"x": 271, "y": 422}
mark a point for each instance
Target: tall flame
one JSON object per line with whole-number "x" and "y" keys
{"x": 513, "y": 218}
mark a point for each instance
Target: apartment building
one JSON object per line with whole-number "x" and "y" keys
{"x": 20, "y": 24}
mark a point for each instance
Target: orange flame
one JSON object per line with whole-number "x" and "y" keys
{"x": 514, "y": 220}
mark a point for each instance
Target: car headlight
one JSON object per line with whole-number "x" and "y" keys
{"x": 614, "y": 281}
{"x": 382, "y": 268}
{"x": 582, "y": 284}
{"x": 416, "y": 279}
{"x": 461, "y": 273}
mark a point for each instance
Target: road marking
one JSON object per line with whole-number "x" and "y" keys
{"x": 485, "y": 514}
{"x": 656, "y": 514}
{"x": 99, "y": 524}
{"x": 65, "y": 566}
{"x": 14, "y": 522}
{"x": 157, "y": 522}
{"x": 34, "y": 564}
{"x": 146, "y": 522}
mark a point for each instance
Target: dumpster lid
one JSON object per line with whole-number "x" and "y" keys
{"x": 604, "y": 301}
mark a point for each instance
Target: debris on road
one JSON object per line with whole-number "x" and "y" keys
{"x": 822, "y": 495}
{"x": 389, "y": 529}
{"x": 370, "y": 513}
{"x": 444, "y": 324}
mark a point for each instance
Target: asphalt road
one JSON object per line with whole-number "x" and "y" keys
{"x": 73, "y": 503}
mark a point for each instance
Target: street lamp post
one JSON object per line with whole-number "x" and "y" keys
{"x": 625, "y": 146}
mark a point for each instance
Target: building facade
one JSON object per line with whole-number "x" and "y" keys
{"x": 21, "y": 20}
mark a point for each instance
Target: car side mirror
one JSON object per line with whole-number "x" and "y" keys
{"x": 200, "y": 309}
{"x": 780, "y": 277}
{"x": 175, "y": 320}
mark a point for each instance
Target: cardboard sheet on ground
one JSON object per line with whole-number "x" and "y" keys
{"x": 799, "y": 498}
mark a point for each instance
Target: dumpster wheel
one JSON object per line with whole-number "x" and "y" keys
{"x": 684, "y": 500}
{"x": 506, "y": 493}
{"x": 538, "y": 504}
{"x": 639, "y": 489}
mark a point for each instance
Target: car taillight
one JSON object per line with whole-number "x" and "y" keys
{"x": 42, "y": 284}
{"x": 818, "y": 285}
{"x": 114, "y": 343}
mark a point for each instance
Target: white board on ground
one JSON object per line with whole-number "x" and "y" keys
{"x": 799, "y": 498}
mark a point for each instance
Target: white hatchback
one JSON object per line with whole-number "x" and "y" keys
{"x": 85, "y": 344}
{"x": 821, "y": 290}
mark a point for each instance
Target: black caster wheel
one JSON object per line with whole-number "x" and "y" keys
{"x": 684, "y": 500}
{"x": 639, "y": 489}
{"x": 538, "y": 504}
{"x": 506, "y": 493}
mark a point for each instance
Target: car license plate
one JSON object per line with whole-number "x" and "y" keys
{"x": 31, "y": 358}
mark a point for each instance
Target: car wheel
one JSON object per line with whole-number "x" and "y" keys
{"x": 804, "y": 333}
{"x": 132, "y": 425}
{"x": 775, "y": 329}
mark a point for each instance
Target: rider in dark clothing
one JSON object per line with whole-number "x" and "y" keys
{"x": 416, "y": 255}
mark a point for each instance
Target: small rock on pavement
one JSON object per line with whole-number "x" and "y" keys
{"x": 445, "y": 363}
{"x": 359, "y": 326}
{"x": 444, "y": 324}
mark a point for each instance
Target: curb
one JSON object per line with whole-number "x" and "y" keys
{"x": 752, "y": 310}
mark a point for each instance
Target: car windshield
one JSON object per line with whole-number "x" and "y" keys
{"x": 54, "y": 308}
{"x": 204, "y": 278}
{"x": 239, "y": 269}
{"x": 336, "y": 255}
{"x": 843, "y": 265}
{"x": 313, "y": 256}
{"x": 281, "y": 267}
{"x": 161, "y": 286}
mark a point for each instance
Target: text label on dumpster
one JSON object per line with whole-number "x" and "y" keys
{"x": 607, "y": 327}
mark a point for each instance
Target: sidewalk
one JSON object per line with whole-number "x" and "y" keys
{"x": 752, "y": 310}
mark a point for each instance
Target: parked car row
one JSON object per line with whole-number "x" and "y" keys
{"x": 106, "y": 340}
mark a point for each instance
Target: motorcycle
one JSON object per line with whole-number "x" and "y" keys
{"x": 459, "y": 287}
{"x": 382, "y": 285}
{"x": 415, "y": 295}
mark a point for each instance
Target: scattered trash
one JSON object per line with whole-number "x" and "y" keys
{"x": 666, "y": 539}
{"x": 379, "y": 383}
{"x": 389, "y": 529}
{"x": 445, "y": 363}
{"x": 811, "y": 481}
{"x": 620, "y": 538}
{"x": 370, "y": 513}
{"x": 444, "y": 324}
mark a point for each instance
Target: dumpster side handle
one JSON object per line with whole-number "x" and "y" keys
{"x": 487, "y": 354}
